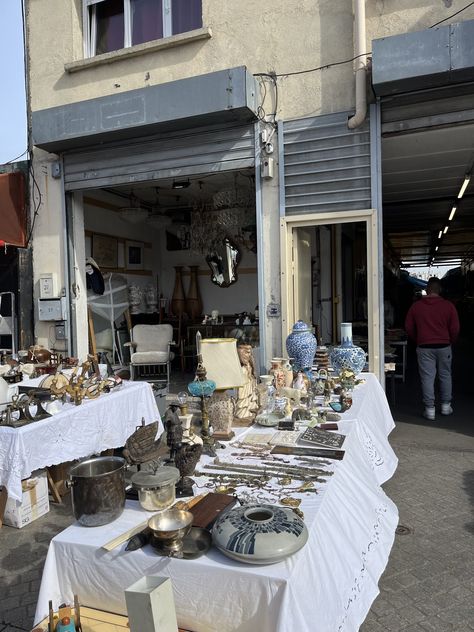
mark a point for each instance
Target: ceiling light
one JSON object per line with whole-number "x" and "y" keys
{"x": 181, "y": 184}
{"x": 440, "y": 234}
{"x": 436, "y": 249}
{"x": 445, "y": 229}
{"x": 134, "y": 214}
{"x": 157, "y": 217}
{"x": 467, "y": 178}
{"x": 453, "y": 210}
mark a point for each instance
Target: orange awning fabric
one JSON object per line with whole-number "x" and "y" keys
{"x": 12, "y": 209}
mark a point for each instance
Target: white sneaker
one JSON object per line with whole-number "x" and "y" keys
{"x": 429, "y": 413}
{"x": 446, "y": 409}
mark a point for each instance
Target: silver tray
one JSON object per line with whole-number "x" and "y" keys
{"x": 197, "y": 542}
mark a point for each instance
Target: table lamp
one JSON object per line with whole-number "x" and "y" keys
{"x": 223, "y": 367}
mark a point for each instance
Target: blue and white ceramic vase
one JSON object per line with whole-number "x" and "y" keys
{"x": 301, "y": 346}
{"x": 259, "y": 534}
{"x": 347, "y": 355}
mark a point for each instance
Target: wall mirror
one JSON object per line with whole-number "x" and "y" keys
{"x": 223, "y": 262}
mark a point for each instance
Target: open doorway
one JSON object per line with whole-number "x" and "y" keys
{"x": 330, "y": 275}
{"x": 179, "y": 252}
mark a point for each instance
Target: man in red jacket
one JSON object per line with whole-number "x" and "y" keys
{"x": 433, "y": 323}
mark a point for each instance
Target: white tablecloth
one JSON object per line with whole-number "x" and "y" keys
{"x": 74, "y": 433}
{"x": 328, "y": 586}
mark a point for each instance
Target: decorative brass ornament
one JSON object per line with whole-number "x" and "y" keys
{"x": 288, "y": 501}
{"x": 81, "y": 385}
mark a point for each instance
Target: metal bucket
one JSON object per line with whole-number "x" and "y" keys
{"x": 98, "y": 490}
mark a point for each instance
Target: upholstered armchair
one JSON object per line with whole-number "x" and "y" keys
{"x": 151, "y": 353}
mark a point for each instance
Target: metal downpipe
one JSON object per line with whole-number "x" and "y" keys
{"x": 360, "y": 66}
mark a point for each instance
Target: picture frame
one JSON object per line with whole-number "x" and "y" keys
{"x": 105, "y": 250}
{"x": 134, "y": 251}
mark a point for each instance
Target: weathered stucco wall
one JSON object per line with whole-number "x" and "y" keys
{"x": 281, "y": 36}
{"x": 272, "y": 35}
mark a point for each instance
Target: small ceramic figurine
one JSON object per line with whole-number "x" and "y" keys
{"x": 300, "y": 382}
{"x": 247, "y": 404}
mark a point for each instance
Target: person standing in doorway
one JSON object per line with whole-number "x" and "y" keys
{"x": 433, "y": 323}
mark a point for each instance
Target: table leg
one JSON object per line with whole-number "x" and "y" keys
{"x": 3, "y": 502}
{"x": 53, "y": 489}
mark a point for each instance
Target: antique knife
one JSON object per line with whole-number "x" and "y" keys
{"x": 300, "y": 451}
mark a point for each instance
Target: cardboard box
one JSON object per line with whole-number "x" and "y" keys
{"x": 35, "y": 502}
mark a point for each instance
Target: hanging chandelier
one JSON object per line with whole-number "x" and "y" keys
{"x": 234, "y": 197}
{"x": 134, "y": 213}
{"x": 157, "y": 218}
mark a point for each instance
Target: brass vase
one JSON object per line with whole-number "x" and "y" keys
{"x": 193, "y": 300}
{"x": 178, "y": 302}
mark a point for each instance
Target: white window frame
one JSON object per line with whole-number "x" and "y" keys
{"x": 90, "y": 24}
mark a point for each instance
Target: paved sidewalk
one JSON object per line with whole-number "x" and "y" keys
{"x": 428, "y": 584}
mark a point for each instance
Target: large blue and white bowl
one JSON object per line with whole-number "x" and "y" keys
{"x": 260, "y": 534}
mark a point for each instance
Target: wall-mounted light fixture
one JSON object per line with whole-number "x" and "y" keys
{"x": 181, "y": 184}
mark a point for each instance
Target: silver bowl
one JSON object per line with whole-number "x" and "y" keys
{"x": 168, "y": 529}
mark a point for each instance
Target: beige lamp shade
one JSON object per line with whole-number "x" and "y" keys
{"x": 220, "y": 357}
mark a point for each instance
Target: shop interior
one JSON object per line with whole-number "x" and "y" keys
{"x": 179, "y": 251}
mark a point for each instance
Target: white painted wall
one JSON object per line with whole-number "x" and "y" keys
{"x": 241, "y": 296}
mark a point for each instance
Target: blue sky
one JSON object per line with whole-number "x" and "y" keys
{"x": 13, "y": 103}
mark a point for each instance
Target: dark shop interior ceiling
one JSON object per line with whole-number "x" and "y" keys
{"x": 422, "y": 174}
{"x": 169, "y": 196}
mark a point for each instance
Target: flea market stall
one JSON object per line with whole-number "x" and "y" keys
{"x": 325, "y": 578}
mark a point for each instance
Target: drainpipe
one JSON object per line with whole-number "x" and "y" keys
{"x": 360, "y": 65}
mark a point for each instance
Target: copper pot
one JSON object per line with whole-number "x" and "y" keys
{"x": 39, "y": 354}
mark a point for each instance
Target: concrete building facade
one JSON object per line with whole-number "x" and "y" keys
{"x": 288, "y": 73}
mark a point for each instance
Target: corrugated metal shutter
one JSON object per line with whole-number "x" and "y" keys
{"x": 168, "y": 155}
{"x": 326, "y": 166}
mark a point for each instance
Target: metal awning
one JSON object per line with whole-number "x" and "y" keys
{"x": 217, "y": 97}
{"x": 426, "y": 84}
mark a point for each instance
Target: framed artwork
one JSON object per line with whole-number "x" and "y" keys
{"x": 105, "y": 250}
{"x": 179, "y": 238}
{"x": 134, "y": 255}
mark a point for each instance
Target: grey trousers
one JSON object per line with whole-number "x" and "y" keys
{"x": 431, "y": 361}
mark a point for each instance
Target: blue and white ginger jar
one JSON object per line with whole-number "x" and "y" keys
{"x": 301, "y": 346}
{"x": 347, "y": 355}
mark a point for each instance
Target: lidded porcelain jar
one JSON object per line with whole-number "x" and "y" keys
{"x": 301, "y": 346}
{"x": 347, "y": 355}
